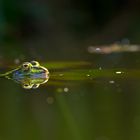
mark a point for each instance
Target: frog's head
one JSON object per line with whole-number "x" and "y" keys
{"x": 31, "y": 69}
{"x": 30, "y": 75}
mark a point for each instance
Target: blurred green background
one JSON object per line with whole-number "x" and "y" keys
{"x": 58, "y": 33}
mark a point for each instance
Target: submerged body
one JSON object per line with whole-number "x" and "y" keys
{"x": 29, "y": 75}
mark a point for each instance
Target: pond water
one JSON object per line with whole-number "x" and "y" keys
{"x": 94, "y": 99}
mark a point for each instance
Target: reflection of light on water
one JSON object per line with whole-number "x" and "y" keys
{"x": 100, "y": 68}
{"x": 61, "y": 74}
{"x": 88, "y": 75}
{"x": 65, "y": 89}
{"x": 113, "y": 48}
{"x": 17, "y": 61}
{"x": 111, "y": 82}
{"x": 118, "y": 72}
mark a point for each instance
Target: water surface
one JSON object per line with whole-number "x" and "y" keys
{"x": 82, "y": 100}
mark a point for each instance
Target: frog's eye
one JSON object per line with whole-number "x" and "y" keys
{"x": 26, "y": 66}
{"x": 35, "y": 63}
{"x": 27, "y": 86}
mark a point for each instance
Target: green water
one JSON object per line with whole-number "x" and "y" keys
{"x": 83, "y": 100}
{"x": 92, "y": 51}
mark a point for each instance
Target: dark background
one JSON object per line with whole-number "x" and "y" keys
{"x": 47, "y": 29}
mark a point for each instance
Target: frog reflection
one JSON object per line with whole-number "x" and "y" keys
{"x": 29, "y": 75}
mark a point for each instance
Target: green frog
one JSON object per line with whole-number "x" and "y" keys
{"x": 29, "y": 75}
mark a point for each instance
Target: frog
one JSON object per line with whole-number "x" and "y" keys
{"x": 29, "y": 74}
